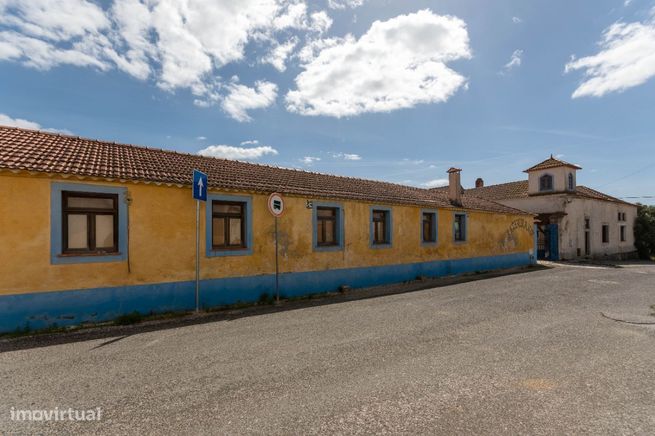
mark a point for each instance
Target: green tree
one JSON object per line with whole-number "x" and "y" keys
{"x": 645, "y": 231}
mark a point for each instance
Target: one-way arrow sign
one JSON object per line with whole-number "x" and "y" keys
{"x": 199, "y": 185}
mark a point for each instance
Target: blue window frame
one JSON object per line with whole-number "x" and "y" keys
{"x": 327, "y": 226}
{"x": 571, "y": 182}
{"x": 57, "y": 255}
{"x": 244, "y": 247}
{"x": 429, "y": 225}
{"x": 381, "y": 227}
{"x": 460, "y": 227}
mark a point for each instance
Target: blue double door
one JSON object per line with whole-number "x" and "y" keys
{"x": 548, "y": 242}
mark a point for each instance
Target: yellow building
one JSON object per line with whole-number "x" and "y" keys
{"x": 90, "y": 230}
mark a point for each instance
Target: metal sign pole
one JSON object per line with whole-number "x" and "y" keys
{"x": 200, "y": 181}
{"x": 197, "y": 255}
{"x": 277, "y": 270}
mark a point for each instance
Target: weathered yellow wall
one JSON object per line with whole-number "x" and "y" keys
{"x": 162, "y": 239}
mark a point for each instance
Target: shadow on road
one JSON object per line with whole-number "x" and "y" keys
{"x": 37, "y": 340}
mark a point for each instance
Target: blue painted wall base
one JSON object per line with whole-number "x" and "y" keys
{"x": 61, "y": 308}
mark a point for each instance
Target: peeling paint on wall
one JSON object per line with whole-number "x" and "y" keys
{"x": 162, "y": 239}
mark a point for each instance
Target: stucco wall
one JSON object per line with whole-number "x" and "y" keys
{"x": 571, "y": 226}
{"x": 162, "y": 239}
{"x": 560, "y": 179}
{"x": 599, "y": 213}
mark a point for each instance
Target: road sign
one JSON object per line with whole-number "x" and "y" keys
{"x": 199, "y": 185}
{"x": 276, "y": 207}
{"x": 276, "y": 204}
{"x": 199, "y": 194}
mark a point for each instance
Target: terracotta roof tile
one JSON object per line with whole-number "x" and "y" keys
{"x": 519, "y": 189}
{"x": 30, "y": 150}
{"x": 551, "y": 162}
{"x": 501, "y": 191}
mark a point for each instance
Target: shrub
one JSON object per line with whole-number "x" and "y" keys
{"x": 645, "y": 231}
{"x": 129, "y": 318}
{"x": 265, "y": 298}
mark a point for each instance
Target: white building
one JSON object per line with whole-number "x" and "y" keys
{"x": 574, "y": 221}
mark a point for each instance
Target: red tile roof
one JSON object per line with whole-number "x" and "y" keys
{"x": 501, "y": 191}
{"x": 31, "y": 150}
{"x": 519, "y": 189}
{"x": 551, "y": 162}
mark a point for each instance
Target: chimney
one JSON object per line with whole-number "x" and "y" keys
{"x": 454, "y": 186}
{"x": 479, "y": 183}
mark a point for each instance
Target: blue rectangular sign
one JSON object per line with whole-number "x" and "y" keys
{"x": 199, "y": 185}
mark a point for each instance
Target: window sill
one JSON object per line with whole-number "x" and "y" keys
{"x": 94, "y": 254}
{"x": 328, "y": 247}
{"x": 73, "y": 258}
{"x": 381, "y": 245}
{"x": 429, "y": 243}
{"x": 229, "y": 252}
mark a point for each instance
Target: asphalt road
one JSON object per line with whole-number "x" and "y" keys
{"x": 527, "y": 353}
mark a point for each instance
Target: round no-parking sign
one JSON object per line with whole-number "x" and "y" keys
{"x": 276, "y": 204}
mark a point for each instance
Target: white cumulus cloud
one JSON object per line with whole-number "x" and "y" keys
{"x": 277, "y": 57}
{"x": 626, "y": 59}
{"x": 342, "y": 4}
{"x": 514, "y": 61}
{"x": 176, "y": 44}
{"x": 237, "y": 153}
{"x": 241, "y": 98}
{"x": 396, "y": 64}
{"x": 346, "y": 156}
{"x": 436, "y": 183}
{"x": 6, "y": 120}
{"x": 309, "y": 160}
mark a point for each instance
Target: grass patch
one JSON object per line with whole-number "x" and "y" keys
{"x": 26, "y": 330}
{"x": 129, "y": 319}
{"x": 266, "y": 298}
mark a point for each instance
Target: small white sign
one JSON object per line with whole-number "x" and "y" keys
{"x": 276, "y": 204}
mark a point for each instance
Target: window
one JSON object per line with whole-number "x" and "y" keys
{"x": 606, "y": 233}
{"x": 621, "y": 216}
{"x": 380, "y": 227}
{"x": 429, "y": 227}
{"x": 546, "y": 182}
{"x": 587, "y": 224}
{"x": 89, "y": 223}
{"x": 326, "y": 226}
{"x": 228, "y": 229}
{"x": 622, "y": 229}
{"x": 459, "y": 227}
{"x": 228, "y": 225}
{"x": 571, "y": 182}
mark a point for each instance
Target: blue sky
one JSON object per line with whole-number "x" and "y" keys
{"x": 391, "y": 90}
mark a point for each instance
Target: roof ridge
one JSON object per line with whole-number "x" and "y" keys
{"x": 595, "y": 191}
{"x": 496, "y": 184}
{"x": 549, "y": 163}
{"x": 201, "y": 157}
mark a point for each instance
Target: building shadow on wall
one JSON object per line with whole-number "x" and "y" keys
{"x": 116, "y": 333}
